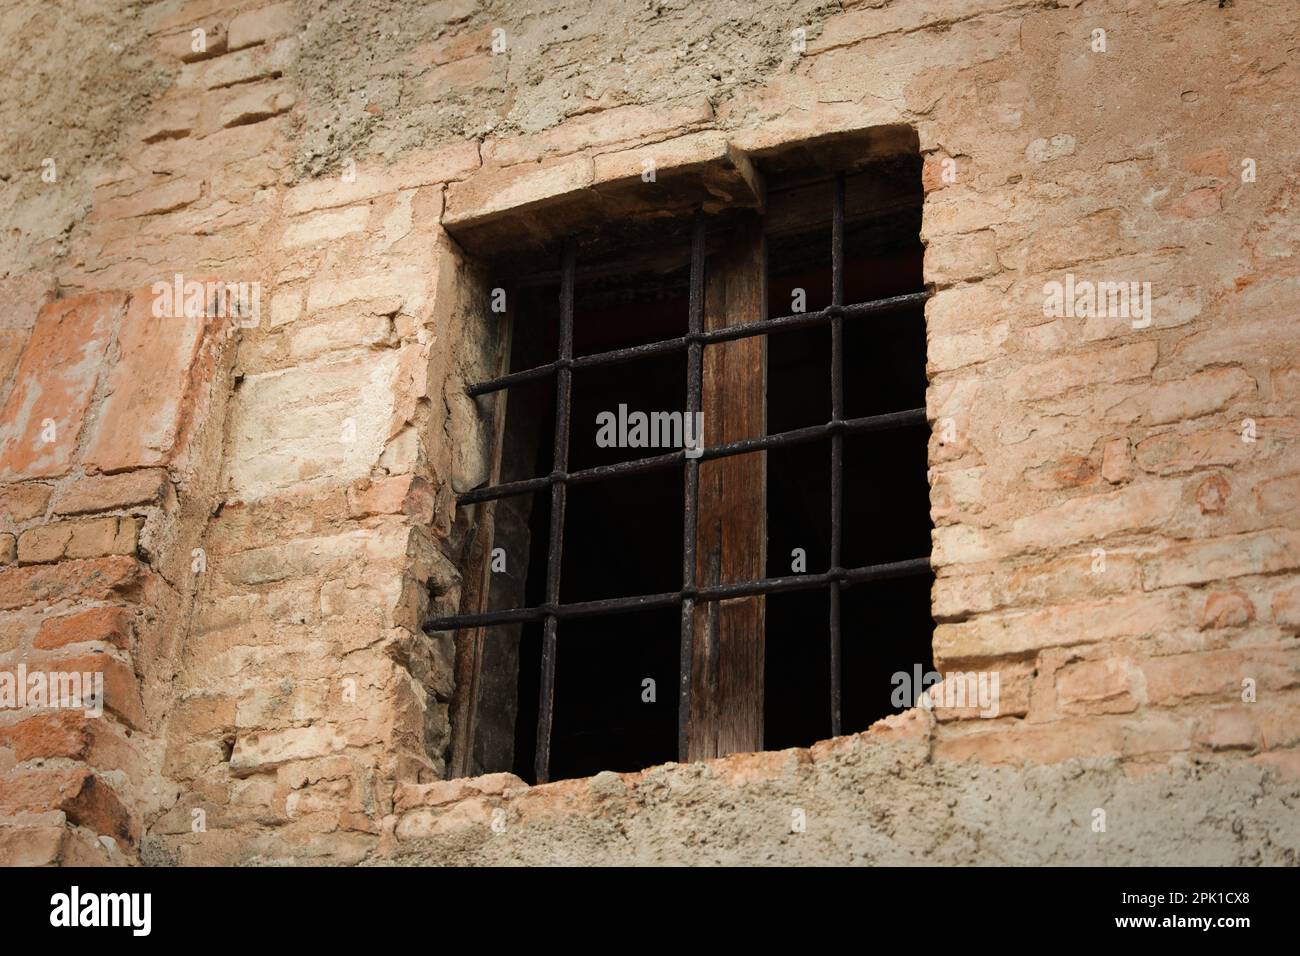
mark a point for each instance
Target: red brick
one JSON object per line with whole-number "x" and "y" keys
{"x": 111, "y": 625}
{"x": 95, "y": 580}
{"x": 61, "y": 733}
{"x": 110, "y": 492}
{"x": 121, "y": 688}
{"x": 87, "y": 800}
{"x": 143, "y": 413}
{"x": 55, "y": 380}
{"x": 90, "y": 538}
{"x": 24, "y": 501}
{"x": 1212, "y": 162}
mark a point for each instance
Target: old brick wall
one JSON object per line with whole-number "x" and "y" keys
{"x": 242, "y": 528}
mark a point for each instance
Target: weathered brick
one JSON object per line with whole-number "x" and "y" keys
{"x": 121, "y": 687}
{"x": 85, "y": 798}
{"x": 150, "y": 388}
{"x": 1056, "y": 376}
{"x": 1229, "y": 728}
{"x": 1102, "y": 686}
{"x": 1117, "y": 461}
{"x": 622, "y": 124}
{"x": 998, "y": 635}
{"x": 32, "y": 846}
{"x": 166, "y": 196}
{"x": 1071, "y": 738}
{"x": 957, "y": 258}
{"x": 111, "y": 625}
{"x": 1279, "y": 496}
{"x": 1181, "y": 400}
{"x": 22, "y": 502}
{"x": 55, "y": 381}
{"x": 449, "y": 162}
{"x": 1174, "y": 678}
{"x": 1285, "y": 606}
{"x": 401, "y": 494}
{"x": 61, "y": 733}
{"x": 69, "y": 580}
{"x": 325, "y": 227}
{"x": 265, "y": 751}
{"x": 110, "y": 492}
{"x": 250, "y": 27}
{"x": 1144, "y": 506}
{"x": 517, "y": 187}
{"x": 89, "y": 538}
{"x": 190, "y": 47}
{"x": 1217, "y": 559}
{"x": 1212, "y": 494}
{"x": 255, "y": 105}
{"x": 247, "y": 66}
{"x": 1173, "y": 452}
{"x": 1002, "y": 690}
{"x": 1227, "y": 609}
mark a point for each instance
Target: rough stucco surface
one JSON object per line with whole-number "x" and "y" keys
{"x": 874, "y": 801}
{"x": 393, "y": 76}
{"x": 54, "y": 108}
{"x": 251, "y": 569}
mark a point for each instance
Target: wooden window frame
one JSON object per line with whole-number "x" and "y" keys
{"x": 722, "y": 599}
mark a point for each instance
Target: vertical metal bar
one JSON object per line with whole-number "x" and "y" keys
{"x": 559, "y": 465}
{"x": 837, "y": 442}
{"x": 691, "y": 492}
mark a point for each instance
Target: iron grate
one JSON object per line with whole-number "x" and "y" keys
{"x": 834, "y": 580}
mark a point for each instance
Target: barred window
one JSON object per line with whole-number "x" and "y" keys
{"x": 707, "y": 529}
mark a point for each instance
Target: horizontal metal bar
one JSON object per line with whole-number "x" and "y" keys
{"x": 633, "y": 353}
{"x": 786, "y": 439}
{"x": 717, "y": 592}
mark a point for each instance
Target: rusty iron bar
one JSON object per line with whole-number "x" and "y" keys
{"x": 559, "y": 492}
{"x": 847, "y": 577}
{"x": 691, "y": 487}
{"x": 837, "y": 442}
{"x": 795, "y": 436}
{"x": 785, "y": 323}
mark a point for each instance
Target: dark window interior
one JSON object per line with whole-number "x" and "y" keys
{"x": 623, "y": 537}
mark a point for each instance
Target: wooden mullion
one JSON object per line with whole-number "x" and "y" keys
{"x": 731, "y": 541}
